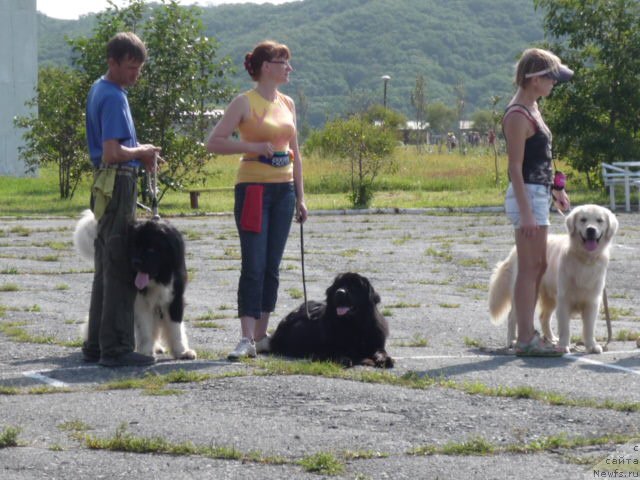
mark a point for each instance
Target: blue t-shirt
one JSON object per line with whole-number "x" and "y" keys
{"x": 109, "y": 118}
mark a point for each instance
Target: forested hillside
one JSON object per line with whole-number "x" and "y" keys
{"x": 341, "y": 48}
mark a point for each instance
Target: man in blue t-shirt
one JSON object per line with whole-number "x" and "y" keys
{"x": 114, "y": 150}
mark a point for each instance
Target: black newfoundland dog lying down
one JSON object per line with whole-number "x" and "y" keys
{"x": 347, "y": 329}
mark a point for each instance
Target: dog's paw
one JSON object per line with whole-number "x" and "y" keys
{"x": 382, "y": 360}
{"x": 595, "y": 348}
{"x": 187, "y": 355}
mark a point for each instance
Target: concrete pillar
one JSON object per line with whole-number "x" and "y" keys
{"x": 18, "y": 76}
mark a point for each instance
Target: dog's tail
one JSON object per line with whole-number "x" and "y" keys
{"x": 501, "y": 287}
{"x": 85, "y": 235}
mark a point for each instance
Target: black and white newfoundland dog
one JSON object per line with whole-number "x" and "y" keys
{"x": 347, "y": 328}
{"x": 157, "y": 254}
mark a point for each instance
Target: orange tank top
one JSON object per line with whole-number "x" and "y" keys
{"x": 269, "y": 121}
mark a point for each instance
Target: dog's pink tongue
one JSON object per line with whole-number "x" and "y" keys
{"x": 142, "y": 280}
{"x": 591, "y": 245}
{"x": 342, "y": 310}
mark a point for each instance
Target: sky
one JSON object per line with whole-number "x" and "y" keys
{"x": 72, "y": 9}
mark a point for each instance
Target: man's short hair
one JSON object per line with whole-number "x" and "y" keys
{"x": 125, "y": 45}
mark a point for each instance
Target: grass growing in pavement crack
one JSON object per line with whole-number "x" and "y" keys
{"x": 9, "y": 437}
{"x": 155, "y": 384}
{"x": 323, "y": 463}
{"x": 16, "y": 333}
{"x": 275, "y": 366}
{"x": 480, "y": 446}
{"x": 123, "y": 441}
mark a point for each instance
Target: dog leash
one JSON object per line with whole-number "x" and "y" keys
{"x": 605, "y": 303}
{"x": 304, "y": 281}
{"x": 153, "y": 181}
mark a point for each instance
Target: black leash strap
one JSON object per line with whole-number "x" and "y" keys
{"x": 605, "y": 303}
{"x": 304, "y": 281}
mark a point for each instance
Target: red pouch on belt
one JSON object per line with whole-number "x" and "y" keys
{"x": 251, "y": 216}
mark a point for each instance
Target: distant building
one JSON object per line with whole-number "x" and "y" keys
{"x": 18, "y": 76}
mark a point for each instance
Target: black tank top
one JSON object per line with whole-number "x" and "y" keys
{"x": 536, "y": 166}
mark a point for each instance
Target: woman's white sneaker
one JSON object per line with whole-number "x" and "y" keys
{"x": 245, "y": 348}
{"x": 263, "y": 345}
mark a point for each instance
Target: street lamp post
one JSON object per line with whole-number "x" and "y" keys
{"x": 385, "y": 79}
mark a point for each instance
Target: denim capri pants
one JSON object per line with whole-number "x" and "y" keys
{"x": 539, "y": 199}
{"x": 262, "y": 252}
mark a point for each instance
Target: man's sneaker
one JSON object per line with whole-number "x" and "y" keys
{"x": 263, "y": 345}
{"x": 131, "y": 359}
{"x": 246, "y": 348}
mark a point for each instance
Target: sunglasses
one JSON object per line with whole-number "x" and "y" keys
{"x": 281, "y": 62}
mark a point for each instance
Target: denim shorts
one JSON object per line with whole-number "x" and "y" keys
{"x": 539, "y": 199}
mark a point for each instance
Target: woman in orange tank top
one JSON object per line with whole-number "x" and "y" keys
{"x": 269, "y": 186}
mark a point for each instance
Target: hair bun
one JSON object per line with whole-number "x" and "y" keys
{"x": 247, "y": 63}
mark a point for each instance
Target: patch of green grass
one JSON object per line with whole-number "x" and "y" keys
{"x": 616, "y": 313}
{"x": 46, "y": 390}
{"x": 473, "y": 262}
{"x": 322, "y": 463}
{"x": 387, "y": 312}
{"x": 192, "y": 235}
{"x": 210, "y": 355}
{"x": 20, "y": 231}
{"x": 9, "y": 271}
{"x": 480, "y": 446}
{"x": 9, "y": 287}
{"x": 9, "y": 437}
{"x": 404, "y": 305}
{"x": 415, "y": 380}
{"x": 445, "y": 256}
{"x": 58, "y": 245}
{"x": 231, "y": 253}
{"x": 349, "y": 253}
{"x": 627, "y": 336}
{"x": 211, "y": 316}
{"x": 123, "y": 441}
{"x": 151, "y": 381}
{"x": 417, "y": 341}
{"x": 471, "y": 342}
{"x": 449, "y": 305}
{"x": 363, "y": 455}
{"x": 213, "y": 325}
{"x": 295, "y": 293}
{"x": 402, "y": 240}
{"x": 48, "y": 258}
{"x": 62, "y": 287}
{"x": 4, "y": 390}
{"x": 16, "y": 333}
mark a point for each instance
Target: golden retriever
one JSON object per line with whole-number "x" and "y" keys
{"x": 573, "y": 281}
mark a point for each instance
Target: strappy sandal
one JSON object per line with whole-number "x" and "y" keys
{"x": 537, "y": 347}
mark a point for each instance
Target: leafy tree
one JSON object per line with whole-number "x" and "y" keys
{"x": 367, "y": 147}
{"x": 180, "y": 82}
{"x": 54, "y": 133}
{"x": 391, "y": 119}
{"x": 483, "y": 121}
{"x": 441, "y": 118}
{"x": 595, "y": 116}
